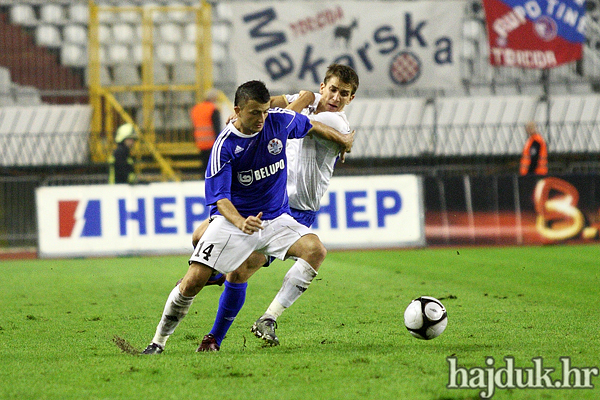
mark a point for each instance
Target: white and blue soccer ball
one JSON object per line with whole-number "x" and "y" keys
{"x": 425, "y": 318}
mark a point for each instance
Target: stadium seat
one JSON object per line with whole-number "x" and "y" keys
{"x": 73, "y": 55}
{"x": 104, "y": 34}
{"x": 158, "y": 119}
{"x": 47, "y": 36}
{"x": 166, "y": 53}
{"x": 27, "y": 95}
{"x": 221, "y": 33}
{"x": 219, "y": 53}
{"x": 128, "y": 99}
{"x": 52, "y": 14}
{"x": 119, "y": 54}
{"x": 177, "y": 15}
{"x": 130, "y": 17}
{"x": 178, "y": 118}
{"x": 78, "y": 13}
{"x": 161, "y": 74}
{"x": 75, "y": 34}
{"x": 223, "y": 11}
{"x": 126, "y": 74}
{"x": 184, "y": 73}
{"x": 170, "y": 33}
{"x": 123, "y": 33}
{"x": 23, "y": 14}
{"x": 188, "y": 52}
{"x": 5, "y": 79}
{"x": 190, "y": 32}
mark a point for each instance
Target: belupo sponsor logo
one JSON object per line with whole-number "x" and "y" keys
{"x": 269, "y": 170}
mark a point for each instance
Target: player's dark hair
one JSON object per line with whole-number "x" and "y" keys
{"x": 344, "y": 73}
{"x": 251, "y": 90}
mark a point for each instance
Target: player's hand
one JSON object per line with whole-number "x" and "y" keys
{"x": 349, "y": 139}
{"x": 232, "y": 117}
{"x": 252, "y": 224}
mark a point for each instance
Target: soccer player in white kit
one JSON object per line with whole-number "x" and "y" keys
{"x": 311, "y": 161}
{"x": 245, "y": 185}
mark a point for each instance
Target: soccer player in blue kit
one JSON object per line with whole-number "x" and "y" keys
{"x": 246, "y": 187}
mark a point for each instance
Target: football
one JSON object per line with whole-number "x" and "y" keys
{"x": 425, "y": 318}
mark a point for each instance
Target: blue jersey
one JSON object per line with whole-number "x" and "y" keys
{"x": 251, "y": 170}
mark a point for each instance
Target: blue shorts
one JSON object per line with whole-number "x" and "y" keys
{"x": 305, "y": 217}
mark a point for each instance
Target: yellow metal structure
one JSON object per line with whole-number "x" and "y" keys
{"x": 108, "y": 114}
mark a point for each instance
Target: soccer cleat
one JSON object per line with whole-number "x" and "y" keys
{"x": 264, "y": 328}
{"x": 209, "y": 343}
{"x": 153, "y": 348}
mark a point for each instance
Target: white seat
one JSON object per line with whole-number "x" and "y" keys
{"x": 189, "y": 32}
{"x": 137, "y": 52}
{"x": 219, "y": 53}
{"x": 166, "y": 53}
{"x": 184, "y": 73}
{"x": 52, "y": 14}
{"x": 151, "y": 8}
{"x": 130, "y": 17}
{"x": 223, "y": 11}
{"x": 104, "y": 34}
{"x": 188, "y": 52}
{"x": 6, "y": 96}
{"x": 123, "y": 33}
{"x": 170, "y": 33}
{"x": 73, "y": 55}
{"x": 27, "y": 95}
{"x": 128, "y": 99}
{"x": 48, "y": 36}
{"x": 221, "y": 33}
{"x": 161, "y": 74}
{"x": 178, "y": 15}
{"x": 126, "y": 74}
{"x": 23, "y": 14}
{"x": 119, "y": 54}
{"x": 5, "y": 79}
{"x": 178, "y": 118}
{"x": 79, "y": 13}
{"x": 76, "y": 34}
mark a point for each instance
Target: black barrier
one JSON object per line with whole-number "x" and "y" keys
{"x": 511, "y": 209}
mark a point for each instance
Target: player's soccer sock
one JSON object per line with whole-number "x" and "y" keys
{"x": 231, "y": 302}
{"x": 176, "y": 308}
{"x": 295, "y": 283}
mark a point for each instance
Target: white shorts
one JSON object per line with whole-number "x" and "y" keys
{"x": 224, "y": 247}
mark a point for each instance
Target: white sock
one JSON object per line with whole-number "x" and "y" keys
{"x": 176, "y": 308}
{"x": 296, "y": 281}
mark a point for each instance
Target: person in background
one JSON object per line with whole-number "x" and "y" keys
{"x": 206, "y": 119}
{"x": 534, "y": 159}
{"x": 121, "y": 163}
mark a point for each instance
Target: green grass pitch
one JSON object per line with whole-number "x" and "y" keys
{"x": 343, "y": 339}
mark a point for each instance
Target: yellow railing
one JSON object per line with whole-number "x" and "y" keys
{"x": 109, "y": 114}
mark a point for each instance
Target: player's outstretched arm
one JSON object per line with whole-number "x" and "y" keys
{"x": 305, "y": 99}
{"x": 247, "y": 225}
{"x": 328, "y": 133}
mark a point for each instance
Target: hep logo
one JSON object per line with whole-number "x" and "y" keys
{"x": 70, "y": 217}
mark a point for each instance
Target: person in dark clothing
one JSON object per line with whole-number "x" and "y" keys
{"x": 121, "y": 163}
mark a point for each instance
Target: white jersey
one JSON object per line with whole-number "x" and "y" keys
{"x": 311, "y": 160}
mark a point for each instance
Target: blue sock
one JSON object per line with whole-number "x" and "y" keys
{"x": 231, "y": 302}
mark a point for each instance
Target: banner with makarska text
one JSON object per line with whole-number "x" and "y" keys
{"x": 289, "y": 45}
